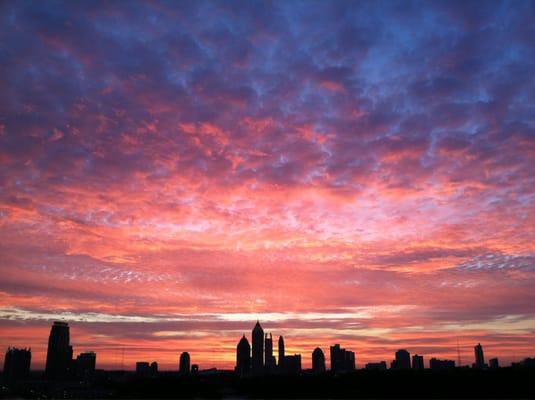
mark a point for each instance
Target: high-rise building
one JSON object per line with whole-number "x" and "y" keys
{"x": 270, "y": 361}
{"x": 243, "y": 357}
{"x": 184, "y": 363}
{"x": 403, "y": 360}
{"x": 17, "y": 364}
{"x": 417, "y": 362}
{"x": 258, "y": 349}
{"x": 318, "y": 360}
{"x": 85, "y": 364}
{"x": 435, "y": 364}
{"x": 281, "y": 351}
{"x": 493, "y": 363}
{"x": 480, "y": 358}
{"x": 342, "y": 360}
{"x": 59, "y": 354}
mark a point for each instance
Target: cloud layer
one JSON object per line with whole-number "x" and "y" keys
{"x": 354, "y": 172}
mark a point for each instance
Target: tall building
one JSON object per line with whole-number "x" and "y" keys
{"x": 494, "y": 363}
{"x": 85, "y": 364}
{"x": 318, "y": 360}
{"x": 435, "y": 364}
{"x": 281, "y": 351}
{"x": 17, "y": 364}
{"x": 342, "y": 360}
{"x": 403, "y": 360}
{"x": 59, "y": 354}
{"x": 243, "y": 357}
{"x": 184, "y": 363}
{"x": 270, "y": 361}
{"x": 417, "y": 362}
{"x": 480, "y": 358}
{"x": 258, "y": 349}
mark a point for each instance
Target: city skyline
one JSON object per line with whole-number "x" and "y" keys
{"x": 352, "y": 172}
{"x": 62, "y": 363}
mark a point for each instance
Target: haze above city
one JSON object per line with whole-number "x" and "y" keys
{"x": 360, "y": 173}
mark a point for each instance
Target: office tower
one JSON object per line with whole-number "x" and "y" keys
{"x": 480, "y": 358}
{"x": 184, "y": 363}
{"x": 403, "y": 360}
{"x": 59, "y": 354}
{"x": 281, "y": 351}
{"x": 17, "y": 364}
{"x": 437, "y": 364}
{"x": 243, "y": 357}
{"x": 417, "y": 362}
{"x": 194, "y": 369}
{"x": 85, "y": 364}
{"x": 342, "y": 360}
{"x": 493, "y": 363}
{"x": 258, "y": 349}
{"x": 270, "y": 362}
{"x": 318, "y": 360}
{"x": 380, "y": 366}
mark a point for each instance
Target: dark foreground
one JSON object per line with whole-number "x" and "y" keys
{"x": 458, "y": 383}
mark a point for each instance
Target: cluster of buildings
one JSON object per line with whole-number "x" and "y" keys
{"x": 259, "y": 359}
{"x": 254, "y": 360}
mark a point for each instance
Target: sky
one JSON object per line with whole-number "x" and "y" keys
{"x": 360, "y": 173}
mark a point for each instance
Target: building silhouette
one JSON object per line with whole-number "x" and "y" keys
{"x": 342, "y": 360}
{"x": 184, "y": 363}
{"x": 243, "y": 357}
{"x": 281, "y": 351}
{"x": 493, "y": 363}
{"x": 380, "y": 366}
{"x": 271, "y": 363}
{"x": 59, "y": 353}
{"x": 437, "y": 364}
{"x": 257, "y": 359}
{"x": 402, "y": 361}
{"x": 85, "y": 364}
{"x": 17, "y": 364}
{"x": 417, "y": 362}
{"x": 194, "y": 369}
{"x": 292, "y": 364}
{"x": 480, "y": 358}
{"x": 318, "y": 361}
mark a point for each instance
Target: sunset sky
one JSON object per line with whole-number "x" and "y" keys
{"x": 360, "y": 173}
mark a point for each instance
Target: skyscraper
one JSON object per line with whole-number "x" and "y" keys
{"x": 258, "y": 349}
{"x": 403, "y": 359}
{"x": 17, "y": 364}
{"x": 342, "y": 360}
{"x": 184, "y": 363}
{"x": 480, "y": 358}
{"x": 281, "y": 351}
{"x": 417, "y": 362}
{"x": 318, "y": 360}
{"x": 243, "y": 357}
{"x": 59, "y": 354}
{"x": 269, "y": 358}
